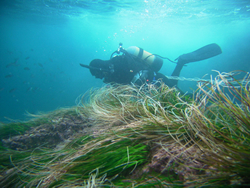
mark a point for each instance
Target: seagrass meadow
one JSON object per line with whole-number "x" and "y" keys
{"x": 125, "y": 136}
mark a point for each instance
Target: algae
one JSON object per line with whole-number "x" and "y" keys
{"x": 124, "y": 136}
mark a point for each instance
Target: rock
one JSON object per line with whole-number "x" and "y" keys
{"x": 49, "y": 135}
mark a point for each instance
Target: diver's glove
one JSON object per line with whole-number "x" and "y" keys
{"x": 140, "y": 78}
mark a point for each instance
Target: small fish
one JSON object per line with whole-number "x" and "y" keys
{"x": 1, "y": 89}
{"x": 9, "y": 52}
{"x": 8, "y": 75}
{"x": 10, "y": 64}
{"x": 29, "y": 89}
{"x": 26, "y": 68}
{"x": 41, "y": 65}
{"x": 27, "y": 58}
{"x": 36, "y": 88}
{"x": 13, "y": 64}
{"x": 26, "y": 82}
{"x": 12, "y": 90}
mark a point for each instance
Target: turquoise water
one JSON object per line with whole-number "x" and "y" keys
{"x": 43, "y": 41}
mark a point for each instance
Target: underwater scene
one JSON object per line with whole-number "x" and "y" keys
{"x": 124, "y": 93}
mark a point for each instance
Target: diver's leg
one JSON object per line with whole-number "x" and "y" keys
{"x": 164, "y": 79}
{"x": 176, "y": 72}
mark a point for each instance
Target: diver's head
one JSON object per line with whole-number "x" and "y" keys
{"x": 99, "y": 68}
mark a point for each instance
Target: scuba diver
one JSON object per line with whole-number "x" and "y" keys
{"x": 136, "y": 66}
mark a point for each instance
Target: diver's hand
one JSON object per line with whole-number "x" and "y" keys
{"x": 140, "y": 78}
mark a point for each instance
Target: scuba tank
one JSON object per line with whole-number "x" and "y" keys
{"x": 151, "y": 61}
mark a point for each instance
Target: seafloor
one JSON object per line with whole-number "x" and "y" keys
{"x": 124, "y": 136}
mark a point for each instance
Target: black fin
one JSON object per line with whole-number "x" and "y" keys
{"x": 205, "y": 52}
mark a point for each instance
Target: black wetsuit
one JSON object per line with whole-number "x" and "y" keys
{"x": 125, "y": 68}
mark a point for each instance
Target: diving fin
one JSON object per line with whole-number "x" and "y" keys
{"x": 205, "y": 52}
